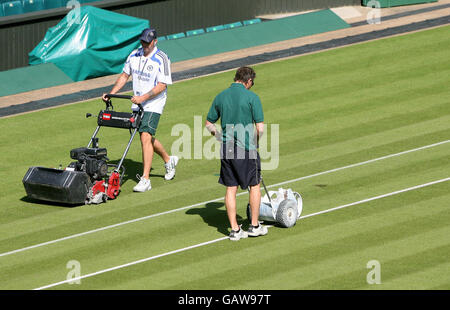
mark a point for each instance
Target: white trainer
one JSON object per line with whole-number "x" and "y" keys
{"x": 255, "y": 231}
{"x": 170, "y": 168}
{"x": 143, "y": 185}
{"x": 237, "y": 235}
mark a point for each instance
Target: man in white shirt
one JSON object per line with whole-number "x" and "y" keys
{"x": 150, "y": 71}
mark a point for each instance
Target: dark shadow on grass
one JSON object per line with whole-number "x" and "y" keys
{"x": 214, "y": 217}
{"x": 49, "y": 203}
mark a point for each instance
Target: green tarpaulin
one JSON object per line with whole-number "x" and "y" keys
{"x": 89, "y": 42}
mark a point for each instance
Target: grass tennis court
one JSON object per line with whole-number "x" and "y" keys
{"x": 365, "y": 128}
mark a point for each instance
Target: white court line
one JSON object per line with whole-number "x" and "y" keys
{"x": 214, "y": 200}
{"x": 224, "y": 238}
{"x": 361, "y": 163}
{"x": 375, "y": 198}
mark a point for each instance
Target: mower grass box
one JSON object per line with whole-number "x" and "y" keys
{"x": 56, "y": 185}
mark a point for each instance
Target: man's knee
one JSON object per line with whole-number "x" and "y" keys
{"x": 147, "y": 137}
{"x": 256, "y": 187}
{"x": 232, "y": 189}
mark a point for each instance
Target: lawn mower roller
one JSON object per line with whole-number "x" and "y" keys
{"x": 283, "y": 207}
{"x": 90, "y": 179}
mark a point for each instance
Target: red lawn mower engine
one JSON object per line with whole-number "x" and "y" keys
{"x": 90, "y": 179}
{"x": 93, "y": 161}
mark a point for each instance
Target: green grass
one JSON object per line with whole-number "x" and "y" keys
{"x": 334, "y": 109}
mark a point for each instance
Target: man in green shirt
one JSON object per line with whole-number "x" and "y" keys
{"x": 240, "y": 113}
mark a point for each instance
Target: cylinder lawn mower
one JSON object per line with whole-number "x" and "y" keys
{"x": 90, "y": 179}
{"x": 283, "y": 207}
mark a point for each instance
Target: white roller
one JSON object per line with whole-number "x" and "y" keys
{"x": 283, "y": 206}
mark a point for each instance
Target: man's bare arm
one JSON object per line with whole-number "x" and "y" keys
{"x": 213, "y": 130}
{"x": 259, "y": 131}
{"x": 120, "y": 82}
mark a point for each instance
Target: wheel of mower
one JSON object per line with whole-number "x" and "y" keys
{"x": 287, "y": 213}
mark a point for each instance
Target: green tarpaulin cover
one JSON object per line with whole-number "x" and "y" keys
{"x": 89, "y": 42}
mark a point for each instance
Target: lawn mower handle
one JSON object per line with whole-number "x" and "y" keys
{"x": 119, "y": 96}
{"x": 108, "y": 104}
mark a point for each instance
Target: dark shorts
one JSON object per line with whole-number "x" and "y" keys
{"x": 149, "y": 122}
{"x": 242, "y": 169}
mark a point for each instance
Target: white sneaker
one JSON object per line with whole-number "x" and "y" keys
{"x": 143, "y": 185}
{"x": 237, "y": 235}
{"x": 170, "y": 168}
{"x": 259, "y": 230}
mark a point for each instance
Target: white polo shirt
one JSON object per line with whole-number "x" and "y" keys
{"x": 147, "y": 72}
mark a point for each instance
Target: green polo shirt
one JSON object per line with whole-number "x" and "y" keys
{"x": 238, "y": 109}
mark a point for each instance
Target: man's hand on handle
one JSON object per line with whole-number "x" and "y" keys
{"x": 139, "y": 99}
{"x": 105, "y": 98}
